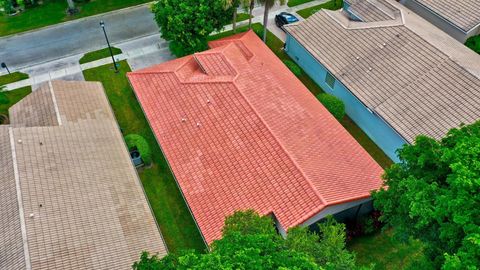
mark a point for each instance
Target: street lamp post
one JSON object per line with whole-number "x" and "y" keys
{"x": 5, "y": 66}
{"x": 102, "y": 24}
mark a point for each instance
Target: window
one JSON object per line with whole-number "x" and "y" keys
{"x": 330, "y": 80}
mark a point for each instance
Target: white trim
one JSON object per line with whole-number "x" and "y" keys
{"x": 55, "y": 105}
{"x": 20, "y": 201}
{"x": 334, "y": 209}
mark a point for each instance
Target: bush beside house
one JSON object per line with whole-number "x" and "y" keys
{"x": 138, "y": 142}
{"x": 294, "y": 68}
{"x": 334, "y": 105}
{"x": 474, "y": 43}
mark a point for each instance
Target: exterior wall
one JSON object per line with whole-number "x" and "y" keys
{"x": 353, "y": 16}
{"x": 342, "y": 211}
{"x": 439, "y": 22}
{"x": 379, "y": 131}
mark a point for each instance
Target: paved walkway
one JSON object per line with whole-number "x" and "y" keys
{"x": 140, "y": 52}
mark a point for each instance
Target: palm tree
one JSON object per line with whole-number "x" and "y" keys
{"x": 232, "y": 4}
{"x": 267, "y": 5}
{"x": 249, "y": 4}
{"x": 71, "y": 7}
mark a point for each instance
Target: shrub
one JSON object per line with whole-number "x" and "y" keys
{"x": 334, "y": 105}
{"x": 368, "y": 225}
{"x": 294, "y": 68}
{"x": 3, "y": 97}
{"x": 474, "y": 43}
{"x": 7, "y": 6}
{"x": 135, "y": 140}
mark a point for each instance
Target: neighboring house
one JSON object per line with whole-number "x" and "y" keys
{"x": 240, "y": 131}
{"x": 70, "y": 196}
{"x": 458, "y": 18}
{"x": 398, "y": 75}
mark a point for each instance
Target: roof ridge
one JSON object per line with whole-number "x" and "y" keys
{"x": 315, "y": 190}
{"x": 55, "y": 104}
{"x": 23, "y": 227}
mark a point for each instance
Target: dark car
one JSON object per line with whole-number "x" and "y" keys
{"x": 285, "y": 18}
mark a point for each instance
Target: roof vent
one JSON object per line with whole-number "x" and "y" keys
{"x": 32, "y": 215}
{"x": 369, "y": 69}
{"x": 358, "y": 57}
{"x": 384, "y": 44}
{"x": 208, "y": 100}
{"x": 183, "y": 119}
{"x": 20, "y": 141}
{"x": 198, "y": 124}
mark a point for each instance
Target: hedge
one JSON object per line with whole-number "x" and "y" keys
{"x": 135, "y": 140}
{"x": 474, "y": 43}
{"x": 3, "y": 98}
{"x": 334, "y": 105}
{"x": 293, "y": 67}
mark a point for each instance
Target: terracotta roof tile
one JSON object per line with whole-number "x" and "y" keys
{"x": 259, "y": 140}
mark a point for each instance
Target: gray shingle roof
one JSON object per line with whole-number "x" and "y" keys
{"x": 11, "y": 247}
{"x": 464, "y": 14}
{"x": 416, "y": 87}
{"x": 377, "y": 10}
{"x": 83, "y": 204}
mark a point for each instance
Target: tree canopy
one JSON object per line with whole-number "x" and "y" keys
{"x": 250, "y": 241}
{"x": 434, "y": 195}
{"x": 188, "y": 23}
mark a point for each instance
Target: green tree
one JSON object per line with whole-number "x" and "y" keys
{"x": 267, "y": 4}
{"x": 249, "y": 4}
{"x": 7, "y": 6}
{"x": 188, "y": 23}
{"x": 251, "y": 242}
{"x": 434, "y": 195}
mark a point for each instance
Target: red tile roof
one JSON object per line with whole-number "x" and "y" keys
{"x": 241, "y": 131}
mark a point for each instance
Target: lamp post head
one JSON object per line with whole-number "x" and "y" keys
{"x": 3, "y": 65}
{"x": 102, "y": 24}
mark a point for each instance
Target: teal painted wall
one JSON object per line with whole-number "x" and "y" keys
{"x": 346, "y": 8}
{"x": 380, "y": 132}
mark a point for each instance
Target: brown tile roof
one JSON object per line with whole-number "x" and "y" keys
{"x": 416, "y": 87}
{"x": 83, "y": 204}
{"x": 258, "y": 139}
{"x": 464, "y": 14}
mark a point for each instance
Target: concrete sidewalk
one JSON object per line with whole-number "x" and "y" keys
{"x": 139, "y": 53}
{"x": 153, "y": 51}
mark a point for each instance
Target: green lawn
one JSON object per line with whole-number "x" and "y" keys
{"x": 292, "y": 3}
{"x": 12, "y": 77}
{"x": 331, "y": 5}
{"x": 175, "y": 221}
{"x": 53, "y": 12}
{"x": 276, "y": 45}
{"x": 474, "y": 43}
{"x": 13, "y": 97}
{"x": 243, "y": 17}
{"x": 100, "y": 54}
{"x": 387, "y": 253}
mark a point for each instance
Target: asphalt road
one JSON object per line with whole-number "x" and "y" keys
{"x": 75, "y": 37}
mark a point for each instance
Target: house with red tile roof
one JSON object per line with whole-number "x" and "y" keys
{"x": 240, "y": 131}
